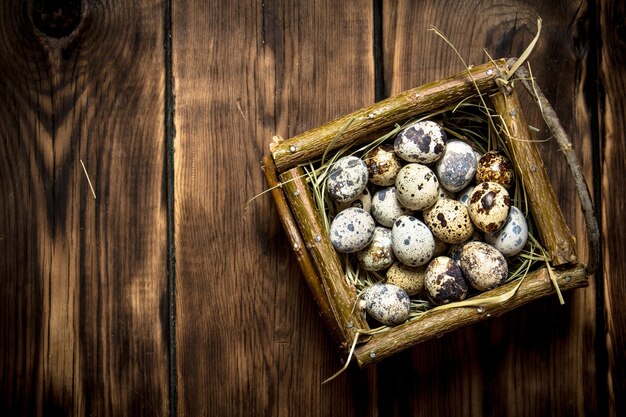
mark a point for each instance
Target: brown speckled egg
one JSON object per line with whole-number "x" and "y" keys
{"x": 483, "y": 265}
{"x": 423, "y": 142}
{"x": 362, "y": 201}
{"x": 489, "y": 206}
{"x": 409, "y": 278}
{"x": 383, "y": 165}
{"x": 413, "y": 243}
{"x": 454, "y": 251}
{"x": 495, "y": 167}
{"x": 346, "y": 179}
{"x": 386, "y": 208}
{"x": 441, "y": 247}
{"x": 387, "y": 303}
{"x": 378, "y": 255}
{"x": 444, "y": 281}
{"x": 352, "y": 230}
{"x": 417, "y": 187}
{"x": 457, "y": 167}
{"x": 449, "y": 221}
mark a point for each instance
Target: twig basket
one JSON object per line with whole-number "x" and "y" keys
{"x": 321, "y": 265}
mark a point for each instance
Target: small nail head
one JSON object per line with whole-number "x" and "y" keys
{"x": 480, "y": 309}
{"x": 372, "y": 355}
{"x": 296, "y": 193}
{"x": 489, "y": 72}
{"x": 318, "y": 238}
{"x": 292, "y": 148}
{"x": 371, "y": 115}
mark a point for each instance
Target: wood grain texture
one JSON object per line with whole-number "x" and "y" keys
{"x": 82, "y": 280}
{"x": 538, "y": 360}
{"x": 249, "y": 339}
{"x": 612, "y": 115}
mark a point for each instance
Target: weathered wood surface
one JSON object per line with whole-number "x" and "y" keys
{"x": 83, "y": 283}
{"x": 612, "y": 123}
{"x": 84, "y": 288}
{"x": 249, "y": 337}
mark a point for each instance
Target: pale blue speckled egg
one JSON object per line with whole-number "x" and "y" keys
{"x": 512, "y": 237}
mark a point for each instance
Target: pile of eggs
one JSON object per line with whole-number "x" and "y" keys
{"x": 433, "y": 214}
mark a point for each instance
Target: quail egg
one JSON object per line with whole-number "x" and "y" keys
{"x": 483, "y": 265}
{"x": 441, "y": 247}
{"x": 386, "y": 303}
{"x": 512, "y": 237}
{"x": 386, "y": 208}
{"x": 346, "y": 179}
{"x": 444, "y": 281}
{"x": 378, "y": 255}
{"x": 412, "y": 242}
{"x": 417, "y": 187}
{"x": 423, "y": 142}
{"x": 457, "y": 167}
{"x": 489, "y": 206}
{"x": 463, "y": 196}
{"x": 454, "y": 251}
{"x": 449, "y": 221}
{"x": 495, "y": 167}
{"x": 383, "y": 165}
{"x": 352, "y": 230}
{"x": 409, "y": 278}
{"x": 362, "y": 201}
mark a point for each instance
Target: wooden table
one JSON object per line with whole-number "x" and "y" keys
{"x": 165, "y": 292}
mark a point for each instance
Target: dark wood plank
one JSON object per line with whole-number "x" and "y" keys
{"x": 538, "y": 360}
{"x": 82, "y": 280}
{"x": 249, "y": 339}
{"x": 612, "y": 115}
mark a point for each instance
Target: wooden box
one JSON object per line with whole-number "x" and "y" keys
{"x": 320, "y": 264}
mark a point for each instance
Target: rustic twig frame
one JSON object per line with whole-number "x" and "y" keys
{"x": 335, "y": 296}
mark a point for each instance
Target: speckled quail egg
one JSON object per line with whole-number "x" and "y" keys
{"x": 409, "y": 278}
{"x": 512, "y": 237}
{"x": 463, "y": 196}
{"x": 423, "y": 142}
{"x": 441, "y": 247}
{"x": 449, "y": 221}
{"x": 386, "y": 303}
{"x": 362, "y": 201}
{"x": 483, "y": 265}
{"x": 383, "y": 165}
{"x": 346, "y": 179}
{"x": 378, "y": 255}
{"x": 489, "y": 206}
{"x": 352, "y": 230}
{"x": 457, "y": 167}
{"x": 386, "y": 208}
{"x": 454, "y": 251}
{"x": 444, "y": 281}
{"x": 417, "y": 187}
{"x": 495, "y": 167}
{"x": 412, "y": 242}
{"x": 443, "y": 193}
